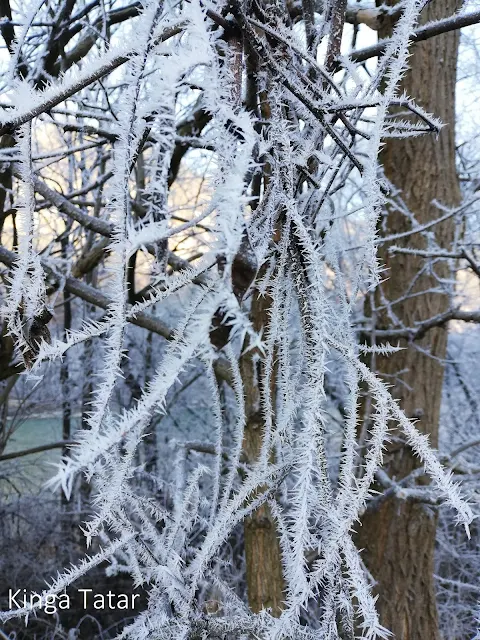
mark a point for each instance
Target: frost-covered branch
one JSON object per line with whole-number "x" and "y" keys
{"x": 232, "y": 167}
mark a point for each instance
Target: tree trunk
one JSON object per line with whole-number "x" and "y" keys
{"x": 398, "y": 538}
{"x": 265, "y": 583}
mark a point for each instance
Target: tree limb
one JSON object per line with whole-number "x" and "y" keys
{"x": 39, "y": 449}
{"x": 77, "y": 84}
{"x": 423, "y": 33}
{"x": 98, "y": 299}
{"x": 418, "y": 332}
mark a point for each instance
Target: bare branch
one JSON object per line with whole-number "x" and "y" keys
{"x": 44, "y": 447}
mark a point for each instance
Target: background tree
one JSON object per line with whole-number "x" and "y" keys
{"x": 399, "y": 536}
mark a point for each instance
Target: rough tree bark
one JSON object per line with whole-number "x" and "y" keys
{"x": 398, "y": 538}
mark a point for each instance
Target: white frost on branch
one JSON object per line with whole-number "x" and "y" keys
{"x": 304, "y": 136}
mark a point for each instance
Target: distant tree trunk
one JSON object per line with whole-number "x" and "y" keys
{"x": 262, "y": 548}
{"x": 64, "y": 367}
{"x": 398, "y": 538}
